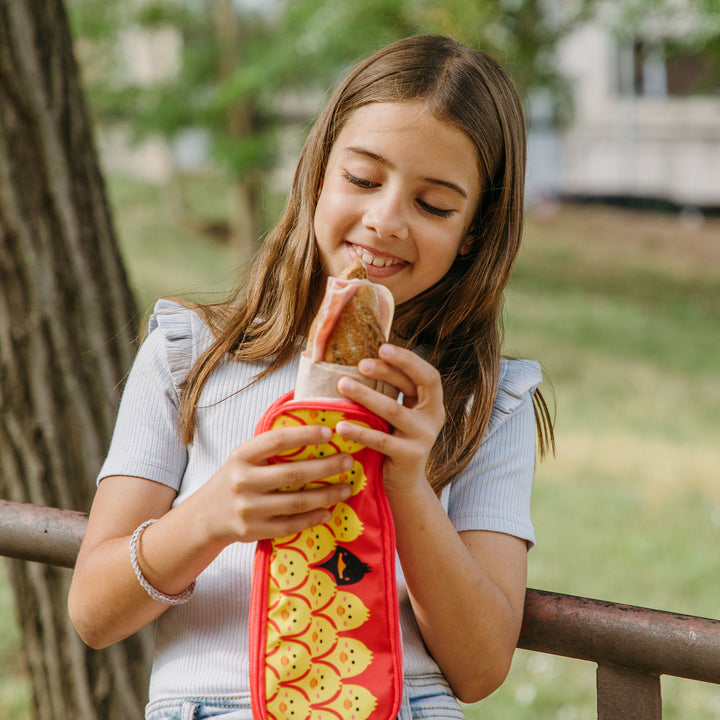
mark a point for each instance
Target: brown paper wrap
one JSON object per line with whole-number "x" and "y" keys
{"x": 317, "y": 380}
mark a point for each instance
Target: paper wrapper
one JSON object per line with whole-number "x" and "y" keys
{"x": 319, "y": 380}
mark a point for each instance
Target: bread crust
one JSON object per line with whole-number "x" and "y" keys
{"x": 358, "y": 331}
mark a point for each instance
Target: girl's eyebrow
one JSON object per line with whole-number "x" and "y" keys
{"x": 384, "y": 161}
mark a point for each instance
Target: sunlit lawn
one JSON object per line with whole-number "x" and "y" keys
{"x": 623, "y": 311}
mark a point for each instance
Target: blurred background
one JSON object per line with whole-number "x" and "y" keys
{"x": 201, "y": 108}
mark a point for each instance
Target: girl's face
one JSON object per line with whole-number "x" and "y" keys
{"x": 400, "y": 191}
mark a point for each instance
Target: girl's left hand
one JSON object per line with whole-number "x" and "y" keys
{"x": 415, "y": 424}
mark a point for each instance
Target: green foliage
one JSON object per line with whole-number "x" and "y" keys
{"x": 235, "y": 65}
{"x": 96, "y": 20}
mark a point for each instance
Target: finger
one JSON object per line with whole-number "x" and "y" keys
{"x": 421, "y": 419}
{"x": 376, "y": 369}
{"x": 286, "y": 525}
{"x": 382, "y": 405}
{"x": 418, "y": 380}
{"x": 428, "y": 394}
{"x": 301, "y": 502}
{"x": 279, "y": 440}
{"x": 385, "y": 443}
{"x": 301, "y": 472}
{"x": 411, "y": 364}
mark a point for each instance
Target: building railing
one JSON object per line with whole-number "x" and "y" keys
{"x": 631, "y": 646}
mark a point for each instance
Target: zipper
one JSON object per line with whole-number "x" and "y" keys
{"x": 258, "y": 628}
{"x": 389, "y": 552}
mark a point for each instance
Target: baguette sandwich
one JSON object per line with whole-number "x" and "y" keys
{"x": 353, "y": 321}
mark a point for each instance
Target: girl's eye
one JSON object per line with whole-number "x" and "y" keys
{"x": 434, "y": 210}
{"x": 359, "y": 182}
{"x": 371, "y": 184}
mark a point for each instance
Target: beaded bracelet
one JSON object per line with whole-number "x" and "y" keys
{"x": 155, "y": 594}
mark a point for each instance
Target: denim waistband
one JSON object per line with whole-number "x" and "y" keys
{"x": 426, "y": 697}
{"x": 228, "y": 707}
{"x": 429, "y": 698}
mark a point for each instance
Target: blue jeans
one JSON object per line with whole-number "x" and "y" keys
{"x": 424, "y": 698}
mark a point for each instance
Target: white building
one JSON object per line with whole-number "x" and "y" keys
{"x": 639, "y": 128}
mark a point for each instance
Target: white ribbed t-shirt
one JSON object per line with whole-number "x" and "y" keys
{"x": 201, "y": 648}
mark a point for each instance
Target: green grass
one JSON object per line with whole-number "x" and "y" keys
{"x": 15, "y": 700}
{"x": 623, "y": 311}
{"x": 162, "y": 256}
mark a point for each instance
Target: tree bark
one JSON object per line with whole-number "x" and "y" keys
{"x": 244, "y": 192}
{"x": 67, "y": 332}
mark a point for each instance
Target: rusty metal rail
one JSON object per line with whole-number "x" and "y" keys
{"x": 42, "y": 534}
{"x": 650, "y": 641}
{"x": 632, "y": 646}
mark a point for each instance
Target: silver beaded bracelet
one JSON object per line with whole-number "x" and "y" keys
{"x": 154, "y": 593}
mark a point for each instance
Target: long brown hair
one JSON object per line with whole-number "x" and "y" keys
{"x": 458, "y": 320}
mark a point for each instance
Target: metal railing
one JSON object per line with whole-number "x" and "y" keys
{"x": 631, "y": 646}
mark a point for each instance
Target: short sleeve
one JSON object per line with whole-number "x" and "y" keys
{"x": 146, "y": 441}
{"x": 493, "y": 492}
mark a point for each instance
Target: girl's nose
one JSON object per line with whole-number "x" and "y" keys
{"x": 386, "y": 215}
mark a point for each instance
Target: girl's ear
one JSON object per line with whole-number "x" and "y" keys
{"x": 465, "y": 245}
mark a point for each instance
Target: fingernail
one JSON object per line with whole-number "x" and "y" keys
{"x": 347, "y": 463}
{"x": 365, "y": 365}
{"x": 346, "y": 383}
{"x": 326, "y": 432}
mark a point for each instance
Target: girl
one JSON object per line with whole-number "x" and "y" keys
{"x": 417, "y": 167}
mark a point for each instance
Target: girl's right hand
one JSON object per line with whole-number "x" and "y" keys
{"x": 245, "y": 500}
{"x": 248, "y": 498}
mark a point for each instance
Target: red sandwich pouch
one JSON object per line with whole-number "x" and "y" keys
{"x": 324, "y": 627}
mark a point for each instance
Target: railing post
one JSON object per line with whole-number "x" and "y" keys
{"x": 625, "y": 694}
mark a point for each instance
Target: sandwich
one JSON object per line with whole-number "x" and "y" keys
{"x": 354, "y": 319}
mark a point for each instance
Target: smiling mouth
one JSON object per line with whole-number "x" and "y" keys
{"x": 375, "y": 260}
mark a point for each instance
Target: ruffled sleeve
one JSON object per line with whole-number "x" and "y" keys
{"x": 518, "y": 379}
{"x": 146, "y": 441}
{"x": 174, "y": 322}
{"x": 493, "y": 492}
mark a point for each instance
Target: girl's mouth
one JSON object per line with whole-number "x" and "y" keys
{"x": 376, "y": 262}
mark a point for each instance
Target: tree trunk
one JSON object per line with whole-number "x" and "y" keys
{"x": 67, "y": 330}
{"x": 244, "y": 192}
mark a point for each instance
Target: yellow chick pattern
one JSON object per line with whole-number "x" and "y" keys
{"x": 310, "y": 663}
